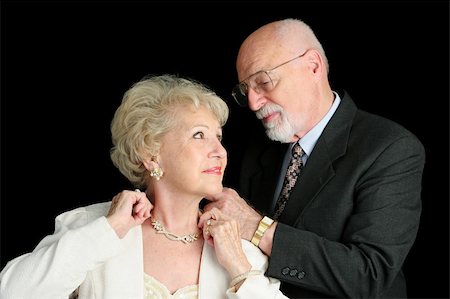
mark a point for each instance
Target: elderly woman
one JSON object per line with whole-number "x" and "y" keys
{"x": 153, "y": 243}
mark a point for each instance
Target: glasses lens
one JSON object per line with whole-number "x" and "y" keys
{"x": 239, "y": 94}
{"x": 261, "y": 82}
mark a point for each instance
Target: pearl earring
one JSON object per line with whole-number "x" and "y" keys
{"x": 157, "y": 173}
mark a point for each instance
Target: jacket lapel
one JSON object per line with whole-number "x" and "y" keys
{"x": 121, "y": 276}
{"x": 213, "y": 279}
{"x": 319, "y": 170}
{"x": 316, "y": 173}
{"x": 128, "y": 269}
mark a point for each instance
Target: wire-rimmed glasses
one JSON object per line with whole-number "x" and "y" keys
{"x": 259, "y": 82}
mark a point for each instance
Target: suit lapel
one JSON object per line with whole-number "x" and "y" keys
{"x": 316, "y": 173}
{"x": 319, "y": 170}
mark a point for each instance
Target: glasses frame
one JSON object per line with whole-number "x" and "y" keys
{"x": 242, "y": 87}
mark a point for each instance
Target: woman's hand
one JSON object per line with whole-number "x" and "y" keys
{"x": 128, "y": 209}
{"x": 223, "y": 233}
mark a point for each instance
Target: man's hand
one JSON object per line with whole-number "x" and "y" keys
{"x": 231, "y": 204}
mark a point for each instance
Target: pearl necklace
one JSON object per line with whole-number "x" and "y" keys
{"x": 160, "y": 229}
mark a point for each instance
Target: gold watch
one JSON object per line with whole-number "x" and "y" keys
{"x": 264, "y": 224}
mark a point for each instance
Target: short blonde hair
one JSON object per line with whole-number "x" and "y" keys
{"x": 147, "y": 113}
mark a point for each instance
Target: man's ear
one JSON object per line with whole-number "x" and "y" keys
{"x": 316, "y": 59}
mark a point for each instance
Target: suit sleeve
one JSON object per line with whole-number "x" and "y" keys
{"x": 60, "y": 262}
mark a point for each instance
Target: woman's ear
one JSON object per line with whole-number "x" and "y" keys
{"x": 153, "y": 167}
{"x": 151, "y": 163}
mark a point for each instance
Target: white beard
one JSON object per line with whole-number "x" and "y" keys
{"x": 279, "y": 130}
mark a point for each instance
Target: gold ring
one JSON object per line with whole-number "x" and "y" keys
{"x": 208, "y": 222}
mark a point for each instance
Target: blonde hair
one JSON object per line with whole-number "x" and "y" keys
{"x": 147, "y": 112}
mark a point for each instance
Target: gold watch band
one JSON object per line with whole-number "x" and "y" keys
{"x": 263, "y": 225}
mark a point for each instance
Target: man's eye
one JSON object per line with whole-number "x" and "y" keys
{"x": 199, "y": 135}
{"x": 262, "y": 83}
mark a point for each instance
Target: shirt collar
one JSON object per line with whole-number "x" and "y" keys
{"x": 308, "y": 141}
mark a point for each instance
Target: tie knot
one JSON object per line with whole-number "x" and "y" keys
{"x": 297, "y": 151}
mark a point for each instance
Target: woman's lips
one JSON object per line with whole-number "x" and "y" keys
{"x": 214, "y": 170}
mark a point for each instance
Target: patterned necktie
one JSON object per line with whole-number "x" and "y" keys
{"x": 293, "y": 170}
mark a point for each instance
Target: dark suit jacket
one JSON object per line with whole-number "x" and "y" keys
{"x": 354, "y": 213}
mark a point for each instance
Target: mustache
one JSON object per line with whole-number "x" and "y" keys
{"x": 268, "y": 109}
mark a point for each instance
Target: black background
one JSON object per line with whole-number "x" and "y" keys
{"x": 66, "y": 65}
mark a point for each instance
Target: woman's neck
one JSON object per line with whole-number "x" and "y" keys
{"x": 177, "y": 215}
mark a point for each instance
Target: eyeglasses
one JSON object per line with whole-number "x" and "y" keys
{"x": 259, "y": 82}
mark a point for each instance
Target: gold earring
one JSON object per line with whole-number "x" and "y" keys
{"x": 157, "y": 173}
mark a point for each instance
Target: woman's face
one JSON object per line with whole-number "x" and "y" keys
{"x": 192, "y": 155}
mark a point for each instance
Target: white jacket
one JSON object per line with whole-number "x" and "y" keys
{"x": 84, "y": 256}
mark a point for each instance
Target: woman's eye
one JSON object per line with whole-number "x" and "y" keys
{"x": 199, "y": 135}
{"x": 219, "y": 137}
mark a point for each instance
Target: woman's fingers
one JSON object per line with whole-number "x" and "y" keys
{"x": 213, "y": 214}
{"x": 128, "y": 209}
